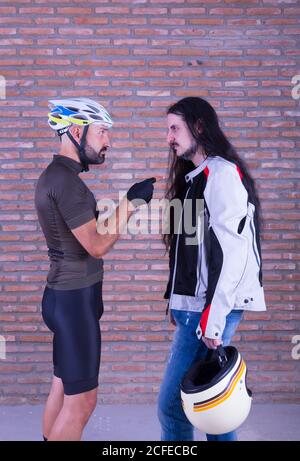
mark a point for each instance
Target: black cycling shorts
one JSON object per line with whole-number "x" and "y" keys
{"x": 73, "y": 316}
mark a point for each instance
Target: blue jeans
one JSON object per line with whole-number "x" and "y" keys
{"x": 186, "y": 348}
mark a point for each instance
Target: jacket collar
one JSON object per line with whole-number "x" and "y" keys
{"x": 68, "y": 162}
{"x": 197, "y": 170}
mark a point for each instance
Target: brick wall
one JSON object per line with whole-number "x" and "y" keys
{"x": 136, "y": 58}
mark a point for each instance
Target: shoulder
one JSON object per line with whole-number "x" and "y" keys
{"x": 57, "y": 179}
{"x": 224, "y": 179}
{"x": 222, "y": 168}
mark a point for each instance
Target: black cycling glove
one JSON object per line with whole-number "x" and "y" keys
{"x": 142, "y": 190}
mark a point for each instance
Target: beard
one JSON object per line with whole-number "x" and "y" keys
{"x": 187, "y": 154}
{"x": 95, "y": 158}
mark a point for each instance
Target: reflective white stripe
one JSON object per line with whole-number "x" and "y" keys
{"x": 255, "y": 250}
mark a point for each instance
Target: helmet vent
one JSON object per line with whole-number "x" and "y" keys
{"x": 94, "y": 109}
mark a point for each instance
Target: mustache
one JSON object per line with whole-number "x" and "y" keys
{"x": 173, "y": 148}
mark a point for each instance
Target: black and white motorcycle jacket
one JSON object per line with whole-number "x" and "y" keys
{"x": 223, "y": 270}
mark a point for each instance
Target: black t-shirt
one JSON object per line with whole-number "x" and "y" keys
{"x": 63, "y": 202}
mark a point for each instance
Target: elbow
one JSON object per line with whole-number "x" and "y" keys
{"x": 97, "y": 254}
{"x": 96, "y": 249}
{"x": 99, "y": 249}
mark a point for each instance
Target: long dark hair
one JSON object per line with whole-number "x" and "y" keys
{"x": 198, "y": 113}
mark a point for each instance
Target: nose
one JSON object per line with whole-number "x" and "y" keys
{"x": 170, "y": 137}
{"x": 108, "y": 141}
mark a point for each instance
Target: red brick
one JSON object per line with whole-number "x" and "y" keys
{"x": 150, "y": 11}
{"x": 53, "y": 20}
{"x": 90, "y": 20}
{"x": 8, "y": 10}
{"x": 163, "y": 21}
{"x": 263, "y": 11}
{"x": 37, "y": 10}
{"x": 30, "y": 52}
{"x": 54, "y": 41}
{"x": 15, "y": 41}
{"x": 129, "y": 21}
{"x": 183, "y": 12}
{"x": 36, "y": 31}
{"x": 112, "y": 10}
{"x": 74, "y": 10}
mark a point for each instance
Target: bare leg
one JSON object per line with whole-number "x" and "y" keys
{"x": 53, "y": 405}
{"x": 73, "y": 416}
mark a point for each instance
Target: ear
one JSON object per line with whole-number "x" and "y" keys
{"x": 199, "y": 126}
{"x": 76, "y": 132}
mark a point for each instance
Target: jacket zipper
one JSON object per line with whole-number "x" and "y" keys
{"x": 176, "y": 249}
{"x": 199, "y": 260}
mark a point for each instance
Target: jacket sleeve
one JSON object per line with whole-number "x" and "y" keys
{"x": 226, "y": 199}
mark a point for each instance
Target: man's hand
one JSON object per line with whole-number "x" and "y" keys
{"x": 171, "y": 318}
{"x": 141, "y": 190}
{"x": 211, "y": 343}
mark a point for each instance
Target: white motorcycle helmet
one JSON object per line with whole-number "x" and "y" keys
{"x": 214, "y": 392}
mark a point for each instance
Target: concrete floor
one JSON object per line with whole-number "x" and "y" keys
{"x": 266, "y": 422}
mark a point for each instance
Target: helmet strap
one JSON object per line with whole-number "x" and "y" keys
{"x": 219, "y": 354}
{"x": 81, "y": 148}
{"x": 222, "y": 356}
{"x": 63, "y": 130}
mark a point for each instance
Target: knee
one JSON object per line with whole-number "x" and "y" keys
{"x": 87, "y": 407}
{"x": 91, "y": 402}
{"x": 57, "y": 388}
{"x": 82, "y": 410}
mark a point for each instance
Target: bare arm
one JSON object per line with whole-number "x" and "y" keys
{"x": 97, "y": 245}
